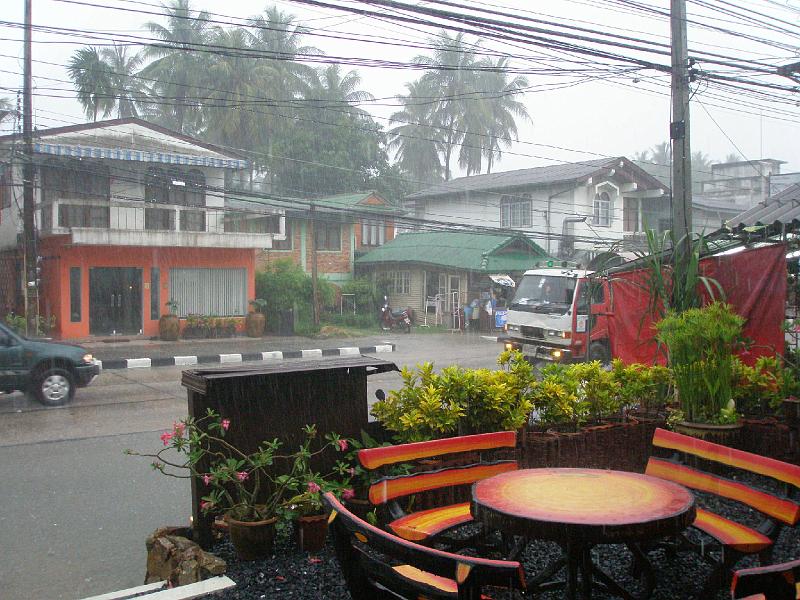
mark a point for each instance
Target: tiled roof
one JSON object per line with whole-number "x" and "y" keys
{"x": 783, "y": 207}
{"x": 472, "y": 251}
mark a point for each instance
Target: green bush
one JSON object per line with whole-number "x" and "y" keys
{"x": 360, "y": 321}
{"x": 367, "y": 296}
{"x": 645, "y": 387}
{"x": 458, "y": 401}
{"x": 284, "y": 285}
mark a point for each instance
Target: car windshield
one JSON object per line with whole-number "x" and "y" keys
{"x": 545, "y": 293}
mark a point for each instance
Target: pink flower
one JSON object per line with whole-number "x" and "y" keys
{"x": 347, "y": 494}
{"x": 178, "y": 429}
{"x": 242, "y": 475}
{"x": 342, "y": 445}
{"x": 205, "y": 505}
{"x": 313, "y": 487}
{"x": 208, "y": 478}
{"x": 225, "y": 424}
{"x": 352, "y": 471}
{"x": 166, "y": 437}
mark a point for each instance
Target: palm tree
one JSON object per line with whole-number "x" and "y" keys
{"x": 496, "y": 113}
{"x": 93, "y": 81}
{"x": 178, "y": 67}
{"x": 330, "y": 86}
{"x": 417, "y": 145}
{"x": 122, "y": 71}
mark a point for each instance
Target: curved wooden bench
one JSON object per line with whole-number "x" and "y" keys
{"x": 732, "y": 539}
{"x": 374, "y": 561}
{"x": 428, "y": 525}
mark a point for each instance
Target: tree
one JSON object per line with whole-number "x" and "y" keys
{"x": 417, "y": 146}
{"x": 93, "y": 81}
{"x": 122, "y": 69}
{"x": 178, "y": 67}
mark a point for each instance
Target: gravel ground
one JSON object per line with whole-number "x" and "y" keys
{"x": 291, "y": 573}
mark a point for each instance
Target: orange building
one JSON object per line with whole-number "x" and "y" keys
{"x": 130, "y": 216}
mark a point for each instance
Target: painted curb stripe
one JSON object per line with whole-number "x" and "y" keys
{"x": 180, "y": 361}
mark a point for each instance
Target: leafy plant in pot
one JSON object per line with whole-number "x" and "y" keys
{"x": 246, "y": 488}
{"x": 701, "y": 343}
{"x": 256, "y": 320}
{"x": 169, "y": 325}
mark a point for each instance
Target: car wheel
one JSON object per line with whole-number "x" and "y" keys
{"x": 53, "y": 387}
{"x": 598, "y": 352}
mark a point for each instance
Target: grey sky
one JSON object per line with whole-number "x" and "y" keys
{"x": 596, "y": 117}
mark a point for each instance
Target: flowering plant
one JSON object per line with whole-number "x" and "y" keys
{"x": 248, "y": 487}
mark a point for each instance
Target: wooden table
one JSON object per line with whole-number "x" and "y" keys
{"x": 580, "y": 508}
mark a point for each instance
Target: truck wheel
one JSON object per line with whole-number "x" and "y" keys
{"x": 54, "y": 386}
{"x": 598, "y": 352}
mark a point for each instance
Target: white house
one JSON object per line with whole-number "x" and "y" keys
{"x": 566, "y": 208}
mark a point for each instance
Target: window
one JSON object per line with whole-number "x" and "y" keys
{"x": 155, "y": 294}
{"x": 75, "y": 294}
{"x": 399, "y": 282}
{"x": 373, "y": 233}
{"x": 81, "y": 215}
{"x": 247, "y": 222}
{"x": 602, "y": 209}
{"x": 630, "y": 214}
{"x": 515, "y": 211}
{"x": 6, "y": 191}
{"x": 175, "y": 187}
{"x": 329, "y": 236}
{"x": 220, "y": 292}
{"x": 75, "y": 179}
{"x": 159, "y": 219}
{"x": 193, "y": 220}
{"x": 287, "y": 243}
{"x": 156, "y": 187}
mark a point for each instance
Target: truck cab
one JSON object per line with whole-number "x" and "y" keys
{"x": 559, "y": 315}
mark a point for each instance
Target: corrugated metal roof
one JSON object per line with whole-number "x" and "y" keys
{"x": 783, "y": 207}
{"x": 460, "y": 250}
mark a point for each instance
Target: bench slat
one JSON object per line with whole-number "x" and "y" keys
{"x": 396, "y": 487}
{"x": 739, "y": 459}
{"x": 730, "y": 533}
{"x": 421, "y": 525}
{"x": 373, "y": 458}
{"x": 779, "y": 508}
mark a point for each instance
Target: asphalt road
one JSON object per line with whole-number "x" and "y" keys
{"x": 76, "y": 510}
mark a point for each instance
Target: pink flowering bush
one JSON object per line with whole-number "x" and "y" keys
{"x": 248, "y": 487}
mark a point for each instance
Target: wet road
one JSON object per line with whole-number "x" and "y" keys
{"x": 76, "y": 510}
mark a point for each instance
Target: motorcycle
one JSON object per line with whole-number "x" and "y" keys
{"x": 394, "y": 318}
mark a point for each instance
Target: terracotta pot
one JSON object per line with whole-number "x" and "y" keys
{"x": 254, "y": 324}
{"x": 169, "y": 327}
{"x": 252, "y": 540}
{"x": 311, "y": 532}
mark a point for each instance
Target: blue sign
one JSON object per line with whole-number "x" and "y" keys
{"x": 500, "y": 317}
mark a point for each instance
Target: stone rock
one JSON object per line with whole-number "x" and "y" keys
{"x": 174, "y": 558}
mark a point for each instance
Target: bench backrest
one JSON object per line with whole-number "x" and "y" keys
{"x": 410, "y": 569}
{"x": 373, "y": 458}
{"x": 777, "y": 507}
{"x": 775, "y": 582}
{"x": 390, "y": 488}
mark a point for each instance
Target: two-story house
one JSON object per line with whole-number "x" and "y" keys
{"x": 346, "y": 226}
{"x": 568, "y": 207}
{"x": 129, "y": 216}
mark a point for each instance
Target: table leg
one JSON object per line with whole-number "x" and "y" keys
{"x": 645, "y": 567}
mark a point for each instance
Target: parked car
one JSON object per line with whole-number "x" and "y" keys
{"x": 50, "y": 371}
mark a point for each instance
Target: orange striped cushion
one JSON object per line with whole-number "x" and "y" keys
{"x": 396, "y": 487}
{"x": 426, "y": 523}
{"x": 784, "y": 510}
{"x": 762, "y": 465}
{"x": 732, "y": 534}
{"x": 372, "y": 458}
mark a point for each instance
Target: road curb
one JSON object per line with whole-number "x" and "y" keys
{"x": 229, "y": 358}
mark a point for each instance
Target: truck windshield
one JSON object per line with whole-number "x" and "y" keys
{"x": 545, "y": 294}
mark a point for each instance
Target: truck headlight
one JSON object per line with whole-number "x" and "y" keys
{"x": 88, "y": 359}
{"x": 564, "y": 335}
{"x": 512, "y": 327}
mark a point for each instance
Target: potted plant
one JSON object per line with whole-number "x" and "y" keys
{"x": 643, "y": 389}
{"x": 256, "y": 320}
{"x": 250, "y": 490}
{"x": 169, "y": 325}
{"x": 700, "y": 343}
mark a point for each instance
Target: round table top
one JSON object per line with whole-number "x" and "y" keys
{"x": 557, "y": 503}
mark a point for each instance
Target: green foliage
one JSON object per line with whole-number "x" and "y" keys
{"x": 458, "y": 401}
{"x": 19, "y": 323}
{"x": 259, "y": 305}
{"x": 643, "y": 386}
{"x": 761, "y": 389}
{"x": 360, "y": 321}
{"x": 701, "y": 343}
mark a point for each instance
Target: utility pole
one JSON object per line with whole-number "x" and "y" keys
{"x": 679, "y": 129}
{"x": 314, "y": 289}
{"x": 28, "y": 218}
